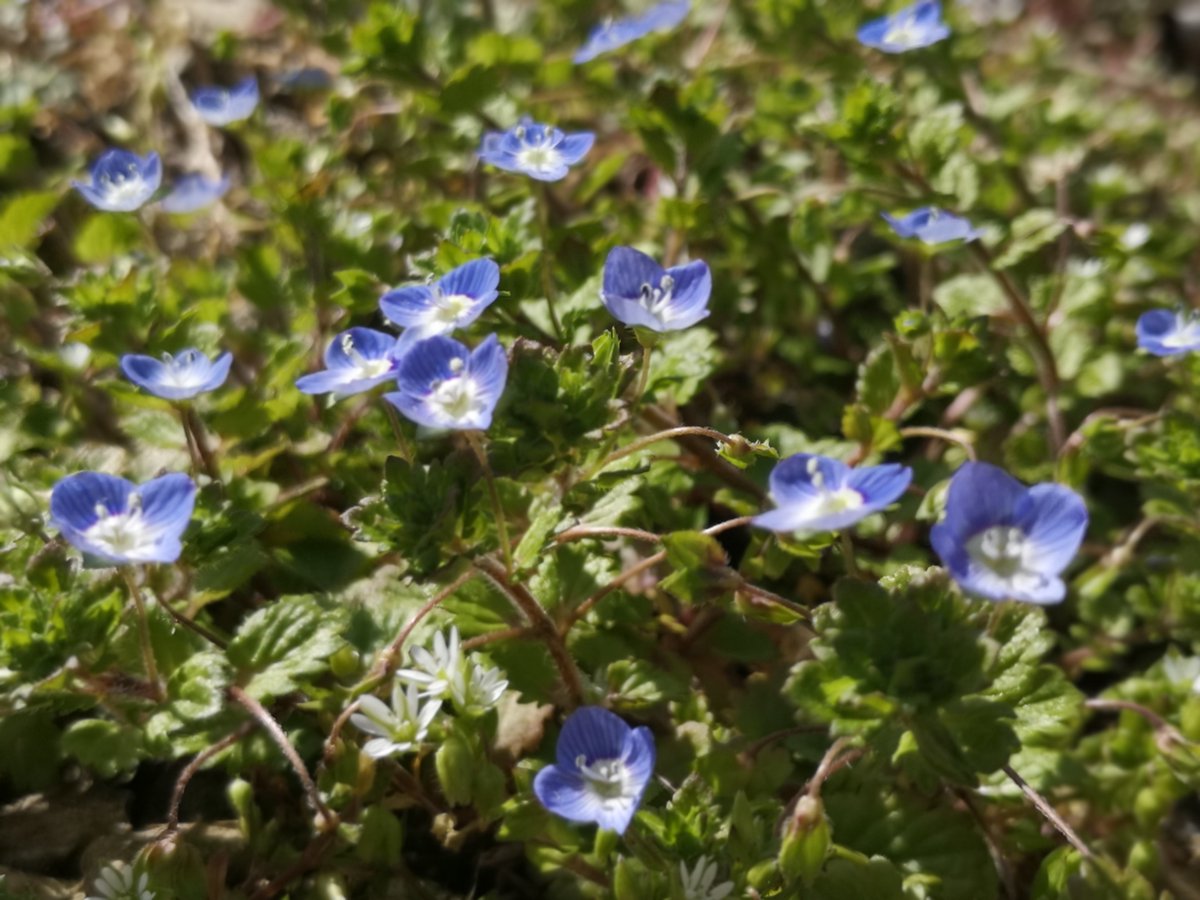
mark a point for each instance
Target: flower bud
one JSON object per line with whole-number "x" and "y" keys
{"x": 806, "y": 841}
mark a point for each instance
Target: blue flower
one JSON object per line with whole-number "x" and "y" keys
{"x": 178, "y": 377}
{"x": 933, "y": 226}
{"x": 601, "y": 771}
{"x": 1165, "y": 332}
{"x": 640, "y": 292}
{"x": 444, "y": 385}
{"x": 454, "y": 301}
{"x": 355, "y": 361}
{"x": 911, "y": 28}
{"x": 816, "y": 493}
{"x": 1002, "y": 540}
{"x": 222, "y": 106}
{"x": 119, "y": 522}
{"x": 618, "y": 32}
{"x": 193, "y": 192}
{"x": 121, "y": 181}
{"x": 539, "y": 151}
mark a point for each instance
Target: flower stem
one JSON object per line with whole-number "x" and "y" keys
{"x": 548, "y": 287}
{"x": 643, "y": 442}
{"x": 644, "y": 376}
{"x": 475, "y": 439}
{"x": 194, "y": 429}
{"x": 405, "y": 448}
{"x": 848, "y": 555}
{"x": 144, "y": 633}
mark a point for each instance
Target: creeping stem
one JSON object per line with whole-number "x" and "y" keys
{"x": 275, "y": 730}
{"x": 527, "y": 604}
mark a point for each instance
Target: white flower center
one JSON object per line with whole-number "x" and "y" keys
{"x": 449, "y": 308}
{"x": 903, "y": 32}
{"x": 539, "y": 158}
{"x": 1001, "y": 549}
{"x": 120, "y": 533}
{"x": 179, "y": 374}
{"x": 657, "y": 300}
{"x": 1185, "y": 334}
{"x": 837, "y": 501}
{"x": 458, "y": 398}
{"x": 121, "y": 186}
{"x": 367, "y": 368}
{"x": 606, "y": 777}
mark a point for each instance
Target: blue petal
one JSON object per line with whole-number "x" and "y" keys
{"x": 488, "y": 365}
{"x": 194, "y": 192}
{"x": 575, "y": 147}
{"x": 219, "y": 372}
{"x": 611, "y": 36}
{"x": 625, "y": 272}
{"x": 1168, "y": 333}
{"x": 880, "y": 486}
{"x": 336, "y": 381}
{"x": 428, "y": 362}
{"x": 477, "y": 279}
{"x": 944, "y": 227}
{"x": 693, "y": 287}
{"x": 983, "y": 582}
{"x": 1054, "y": 519}
{"x": 407, "y": 306}
{"x": 167, "y": 504}
{"x": 74, "y": 499}
{"x": 366, "y": 342}
{"x": 414, "y": 408}
{"x": 906, "y": 226}
{"x": 791, "y": 481}
{"x": 144, "y": 371}
{"x": 566, "y": 794}
{"x": 593, "y": 733}
{"x": 980, "y": 496}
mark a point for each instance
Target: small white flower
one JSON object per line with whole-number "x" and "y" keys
{"x": 119, "y": 882}
{"x": 698, "y": 883}
{"x": 484, "y": 688}
{"x": 436, "y": 669}
{"x": 443, "y": 672}
{"x": 396, "y": 729}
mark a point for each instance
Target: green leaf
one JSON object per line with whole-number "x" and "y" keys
{"x": 1030, "y": 232}
{"x": 284, "y": 644}
{"x": 107, "y": 748}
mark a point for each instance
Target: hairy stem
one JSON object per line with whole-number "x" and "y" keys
{"x": 527, "y": 604}
{"x": 275, "y": 730}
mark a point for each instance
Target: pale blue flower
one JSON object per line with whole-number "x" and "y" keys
{"x": 815, "y": 493}
{"x": 454, "y": 301}
{"x": 193, "y": 192}
{"x": 442, "y": 384}
{"x": 640, "y": 292}
{"x": 177, "y": 377}
{"x": 1166, "y": 332}
{"x": 911, "y": 28}
{"x": 118, "y": 522}
{"x": 933, "y": 226}
{"x": 617, "y": 33}
{"x": 539, "y": 151}
{"x": 1004, "y": 541}
{"x": 220, "y": 106}
{"x": 121, "y": 181}
{"x": 601, "y": 770}
{"x": 355, "y": 361}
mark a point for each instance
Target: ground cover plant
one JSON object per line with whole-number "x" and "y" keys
{"x": 527, "y": 449}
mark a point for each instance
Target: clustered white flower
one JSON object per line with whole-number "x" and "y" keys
{"x": 445, "y": 673}
{"x": 698, "y": 882}
{"x": 441, "y": 673}
{"x": 119, "y": 882}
